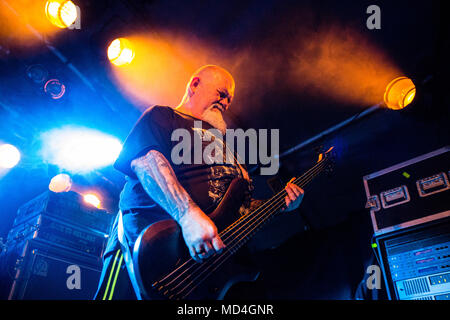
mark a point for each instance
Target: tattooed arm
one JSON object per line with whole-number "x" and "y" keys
{"x": 160, "y": 182}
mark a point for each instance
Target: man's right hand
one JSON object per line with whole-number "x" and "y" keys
{"x": 200, "y": 234}
{"x": 161, "y": 184}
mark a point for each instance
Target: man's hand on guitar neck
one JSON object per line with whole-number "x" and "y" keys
{"x": 294, "y": 196}
{"x": 160, "y": 182}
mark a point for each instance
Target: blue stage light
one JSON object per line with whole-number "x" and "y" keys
{"x": 78, "y": 149}
{"x": 9, "y": 156}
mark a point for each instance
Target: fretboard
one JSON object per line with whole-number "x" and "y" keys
{"x": 243, "y": 229}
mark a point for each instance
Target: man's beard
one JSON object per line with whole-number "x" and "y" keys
{"x": 215, "y": 118}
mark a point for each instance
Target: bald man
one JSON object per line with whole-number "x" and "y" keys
{"x": 158, "y": 189}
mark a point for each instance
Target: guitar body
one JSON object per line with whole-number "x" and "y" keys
{"x": 160, "y": 249}
{"x": 163, "y": 268}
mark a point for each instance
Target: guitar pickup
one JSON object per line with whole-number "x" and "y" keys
{"x": 394, "y": 197}
{"x": 434, "y": 184}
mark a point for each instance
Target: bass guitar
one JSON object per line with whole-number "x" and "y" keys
{"x": 163, "y": 268}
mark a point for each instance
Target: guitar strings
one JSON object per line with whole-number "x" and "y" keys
{"x": 229, "y": 249}
{"x": 254, "y": 215}
{"x": 249, "y": 216}
{"x": 229, "y": 253}
{"x": 280, "y": 196}
{"x": 262, "y": 206}
{"x": 226, "y": 255}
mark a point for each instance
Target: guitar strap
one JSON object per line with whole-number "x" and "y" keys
{"x": 128, "y": 257}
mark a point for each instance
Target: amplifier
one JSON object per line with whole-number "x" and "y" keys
{"x": 68, "y": 206}
{"x": 58, "y": 233}
{"x": 416, "y": 261}
{"x": 43, "y": 272}
{"x": 409, "y": 193}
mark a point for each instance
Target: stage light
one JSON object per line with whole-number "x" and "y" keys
{"x": 61, "y": 13}
{"x": 120, "y": 52}
{"x": 54, "y": 88}
{"x": 9, "y": 156}
{"x": 78, "y": 149}
{"x": 60, "y": 183}
{"x": 92, "y": 199}
{"x": 399, "y": 93}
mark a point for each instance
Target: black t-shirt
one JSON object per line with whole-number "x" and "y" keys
{"x": 205, "y": 182}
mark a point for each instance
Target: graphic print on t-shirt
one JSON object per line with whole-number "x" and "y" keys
{"x": 219, "y": 176}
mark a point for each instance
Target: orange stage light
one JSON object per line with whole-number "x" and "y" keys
{"x": 92, "y": 199}
{"x": 399, "y": 93}
{"x": 160, "y": 69}
{"x": 29, "y": 22}
{"x": 61, "y": 13}
{"x": 121, "y": 52}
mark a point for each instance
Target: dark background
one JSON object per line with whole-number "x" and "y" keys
{"x": 327, "y": 245}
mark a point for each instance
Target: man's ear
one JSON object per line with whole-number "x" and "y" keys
{"x": 194, "y": 84}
